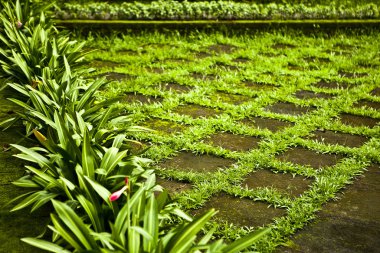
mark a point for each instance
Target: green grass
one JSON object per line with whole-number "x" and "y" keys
{"x": 215, "y": 71}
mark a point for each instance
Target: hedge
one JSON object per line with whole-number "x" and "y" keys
{"x": 214, "y": 10}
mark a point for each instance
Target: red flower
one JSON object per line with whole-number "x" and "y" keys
{"x": 116, "y": 195}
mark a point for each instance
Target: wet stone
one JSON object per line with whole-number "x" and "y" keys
{"x": 156, "y": 70}
{"x": 331, "y": 85}
{"x": 173, "y": 186}
{"x": 137, "y": 147}
{"x": 314, "y": 59}
{"x": 242, "y": 211}
{"x": 358, "y": 121}
{"x": 368, "y": 104}
{"x": 288, "y": 108}
{"x": 164, "y": 126}
{"x": 202, "y": 55}
{"x": 352, "y": 75}
{"x": 376, "y": 92}
{"x": 308, "y": 157}
{"x": 344, "y": 46}
{"x": 115, "y": 76}
{"x": 104, "y": 64}
{"x": 221, "y": 48}
{"x": 178, "y": 60}
{"x": 330, "y": 137}
{"x": 234, "y": 142}
{"x": 241, "y": 60}
{"x": 196, "y": 111}
{"x": 294, "y": 67}
{"x": 200, "y": 76}
{"x": 258, "y": 85}
{"x": 270, "y": 54}
{"x": 266, "y": 123}
{"x": 286, "y": 183}
{"x": 349, "y": 225}
{"x": 126, "y": 52}
{"x": 283, "y": 46}
{"x": 306, "y": 94}
{"x": 187, "y": 161}
{"x": 235, "y": 99}
{"x": 140, "y": 98}
{"x": 226, "y": 66}
{"x": 178, "y": 88}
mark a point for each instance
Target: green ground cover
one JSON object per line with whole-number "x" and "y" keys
{"x": 265, "y": 127}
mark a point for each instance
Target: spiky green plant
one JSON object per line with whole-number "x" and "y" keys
{"x": 30, "y": 43}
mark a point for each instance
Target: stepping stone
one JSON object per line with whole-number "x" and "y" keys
{"x": 349, "y": 225}
{"x": 114, "y": 76}
{"x": 173, "y": 186}
{"x": 273, "y": 125}
{"x": 258, "y": 85}
{"x": 202, "y": 55}
{"x": 235, "y": 99}
{"x": 226, "y": 66}
{"x": 270, "y": 54}
{"x": 344, "y": 46}
{"x": 368, "y": 104}
{"x": 242, "y": 211}
{"x": 288, "y": 108}
{"x": 330, "y": 137}
{"x": 233, "y": 142}
{"x": 187, "y": 161}
{"x": 200, "y": 76}
{"x": 241, "y": 60}
{"x": 177, "y": 60}
{"x": 283, "y": 46}
{"x": 137, "y": 147}
{"x": 352, "y": 75}
{"x": 294, "y": 67}
{"x": 221, "y": 48}
{"x": 358, "y": 121}
{"x": 308, "y": 157}
{"x": 156, "y": 70}
{"x": 196, "y": 111}
{"x": 178, "y": 88}
{"x": 126, "y": 52}
{"x": 164, "y": 126}
{"x": 104, "y": 64}
{"x": 376, "y": 92}
{"x": 286, "y": 183}
{"x": 316, "y": 59}
{"x": 331, "y": 85}
{"x": 140, "y": 98}
{"x": 306, "y": 94}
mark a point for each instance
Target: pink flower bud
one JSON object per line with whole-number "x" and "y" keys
{"x": 126, "y": 180}
{"x": 18, "y": 24}
{"x": 116, "y": 195}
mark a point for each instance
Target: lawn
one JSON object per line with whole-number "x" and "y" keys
{"x": 266, "y": 127}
